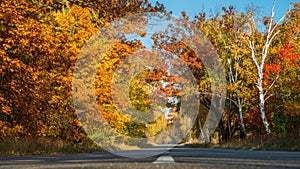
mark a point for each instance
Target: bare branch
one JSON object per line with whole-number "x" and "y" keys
{"x": 269, "y": 97}
{"x": 251, "y": 45}
{"x": 281, "y": 19}
{"x": 269, "y": 88}
{"x": 225, "y": 97}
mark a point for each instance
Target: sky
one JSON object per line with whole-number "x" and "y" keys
{"x": 193, "y": 7}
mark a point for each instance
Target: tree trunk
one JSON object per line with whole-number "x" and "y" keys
{"x": 262, "y": 103}
{"x": 242, "y": 125}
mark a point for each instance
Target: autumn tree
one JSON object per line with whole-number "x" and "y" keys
{"x": 226, "y": 31}
{"x": 283, "y": 104}
{"x": 259, "y": 57}
{"x": 39, "y": 44}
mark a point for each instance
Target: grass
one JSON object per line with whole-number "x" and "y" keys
{"x": 34, "y": 146}
{"x": 257, "y": 143}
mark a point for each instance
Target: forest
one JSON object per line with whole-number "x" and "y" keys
{"x": 41, "y": 44}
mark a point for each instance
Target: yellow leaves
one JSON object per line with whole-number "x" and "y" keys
{"x": 1, "y": 98}
{"x": 6, "y": 46}
{"x": 37, "y": 54}
{"x": 43, "y": 132}
{"x": 25, "y": 42}
{"x": 157, "y": 126}
{"x": 6, "y": 109}
{"x": 8, "y": 131}
{"x": 73, "y": 22}
{"x": 9, "y": 40}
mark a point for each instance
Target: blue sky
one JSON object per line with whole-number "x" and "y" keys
{"x": 193, "y": 7}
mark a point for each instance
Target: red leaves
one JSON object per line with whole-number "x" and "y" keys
{"x": 286, "y": 59}
{"x": 287, "y": 55}
{"x": 273, "y": 68}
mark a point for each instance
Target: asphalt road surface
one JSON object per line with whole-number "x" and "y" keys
{"x": 177, "y": 157}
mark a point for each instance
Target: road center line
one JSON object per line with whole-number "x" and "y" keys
{"x": 164, "y": 158}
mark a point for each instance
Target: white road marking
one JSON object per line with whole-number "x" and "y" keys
{"x": 165, "y": 158}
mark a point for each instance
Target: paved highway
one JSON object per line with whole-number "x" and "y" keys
{"x": 178, "y": 157}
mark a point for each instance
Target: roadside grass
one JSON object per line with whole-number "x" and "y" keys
{"x": 37, "y": 146}
{"x": 34, "y": 146}
{"x": 257, "y": 143}
{"x": 264, "y": 143}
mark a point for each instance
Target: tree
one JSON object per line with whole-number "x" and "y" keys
{"x": 36, "y": 70}
{"x": 283, "y": 104}
{"x": 259, "y": 57}
{"x": 226, "y": 31}
{"x": 185, "y": 40}
{"x": 39, "y": 44}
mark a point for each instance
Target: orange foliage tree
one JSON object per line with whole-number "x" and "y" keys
{"x": 39, "y": 43}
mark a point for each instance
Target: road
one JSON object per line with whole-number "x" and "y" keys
{"x": 177, "y": 157}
